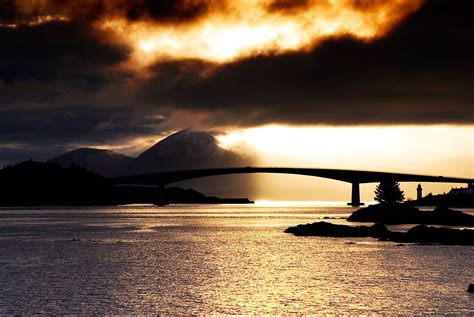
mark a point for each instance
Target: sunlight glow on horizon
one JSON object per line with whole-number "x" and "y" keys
{"x": 368, "y": 147}
{"x": 431, "y": 150}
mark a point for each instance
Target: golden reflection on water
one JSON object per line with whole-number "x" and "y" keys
{"x": 276, "y": 203}
{"x": 217, "y": 260}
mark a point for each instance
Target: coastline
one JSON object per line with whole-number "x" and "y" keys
{"x": 398, "y": 214}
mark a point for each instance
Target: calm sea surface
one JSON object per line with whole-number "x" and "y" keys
{"x": 217, "y": 259}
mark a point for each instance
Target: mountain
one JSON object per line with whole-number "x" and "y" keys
{"x": 186, "y": 149}
{"x": 104, "y": 162}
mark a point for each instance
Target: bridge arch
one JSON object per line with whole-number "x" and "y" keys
{"x": 354, "y": 177}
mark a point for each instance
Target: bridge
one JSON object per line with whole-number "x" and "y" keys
{"x": 354, "y": 177}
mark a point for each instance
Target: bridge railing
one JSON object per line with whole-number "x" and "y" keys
{"x": 347, "y": 175}
{"x": 301, "y": 168}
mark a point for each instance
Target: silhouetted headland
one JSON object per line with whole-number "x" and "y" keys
{"x": 462, "y": 200}
{"x": 48, "y": 184}
{"x": 406, "y": 214}
{"x": 417, "y": 234}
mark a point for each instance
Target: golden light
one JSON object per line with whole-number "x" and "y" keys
{"x": 246, "y": 28}
{"x": 147, "y": 46}
{"x": 36, "y": 21}
{"x": 402, "y": 148}
{"x": 225, "y": 30}
{"x": 432, "y": 150}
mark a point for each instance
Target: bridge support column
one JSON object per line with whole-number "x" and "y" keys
{"x": 161, "y": 196}
{"x": 355, "y": 202}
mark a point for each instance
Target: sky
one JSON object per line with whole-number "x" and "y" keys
{"x": 427, "y": 150}
{"x": 369, "y": 84}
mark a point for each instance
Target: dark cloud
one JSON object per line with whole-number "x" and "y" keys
{"x": 57, "y": 88}
{"x": 8, "y": 10}
{"x": 20, "y": 152}
{"x": 75, "y": 125}
{"x": 162, "y": 11}
{"x": 174, "y": 11}
{"x": 420, "y": 73}
{"x": 57, "y": 49}
{"x": 59, "y": 82}
{"x": 41, "y": 134}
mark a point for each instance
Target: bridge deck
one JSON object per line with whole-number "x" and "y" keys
{"x": 349, "y": 176}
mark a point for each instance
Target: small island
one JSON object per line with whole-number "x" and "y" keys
{"x": 390, "y": 211}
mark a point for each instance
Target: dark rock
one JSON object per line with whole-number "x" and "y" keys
{"x": 404, "y": 214}
{"x": 419, "y": 234}
{"x": 452, "y": 217}
{"x": 429, "y": 235}
{"x": 325, "y": 229}
{"x": 470, "y": 289}
{"x": 387, "y": 214}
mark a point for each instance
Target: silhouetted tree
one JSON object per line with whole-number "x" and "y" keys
{"x": 389, "y": 192}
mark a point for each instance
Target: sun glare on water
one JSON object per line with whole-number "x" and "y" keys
{"x": 276, "y": 203}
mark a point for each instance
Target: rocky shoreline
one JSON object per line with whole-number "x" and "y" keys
{"x": 404, "y": 214}
{"x": 418, "y": 234}
{"x": 398, "y": 214}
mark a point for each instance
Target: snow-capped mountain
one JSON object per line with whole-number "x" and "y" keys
{"x": 186, "y": 149}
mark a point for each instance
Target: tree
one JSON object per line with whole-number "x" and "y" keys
{"x": 389, "y": 192}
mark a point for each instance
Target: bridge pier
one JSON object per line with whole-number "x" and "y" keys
{"x": 161, "y": 196}
{"x": 355, "y": 202}
{"x": 348, "y": 176}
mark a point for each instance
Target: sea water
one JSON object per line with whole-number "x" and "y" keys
{"x": 217, "y": 259}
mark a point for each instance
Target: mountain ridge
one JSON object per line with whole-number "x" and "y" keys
{"x": 104, "y": 162}
{"x": 185, "y": 149}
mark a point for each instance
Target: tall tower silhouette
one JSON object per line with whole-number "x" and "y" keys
{"x": 419, "y": 192}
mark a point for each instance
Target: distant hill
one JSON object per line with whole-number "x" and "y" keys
{"x": 104, "y": 162}
{"x": 48, "y": 184}
{"x": 37, "y": 184}
{"x": 186, "y": 149}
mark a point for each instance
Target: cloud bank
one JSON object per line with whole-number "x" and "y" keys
{"x": 101, "y": 72}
